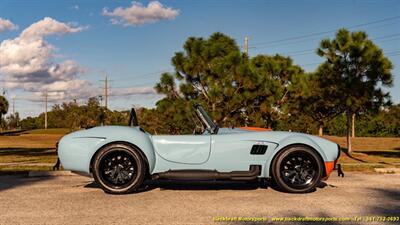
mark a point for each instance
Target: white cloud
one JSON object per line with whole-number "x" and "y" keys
{"x": 7, "y": 25}
{"x": 138, "y": 14}
{"x": 48, "y": 26}
{"x": 20, "y": 56}
{"x": 27, "y": 63}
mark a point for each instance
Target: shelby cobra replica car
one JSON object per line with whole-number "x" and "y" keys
{"x": 121, "y": 158}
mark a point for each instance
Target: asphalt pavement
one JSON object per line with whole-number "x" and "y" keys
{"x": 78, "y": 200}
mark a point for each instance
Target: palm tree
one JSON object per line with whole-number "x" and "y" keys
{"x": 3, "y": 109}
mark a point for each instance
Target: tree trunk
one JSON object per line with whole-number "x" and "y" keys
{"x": 348, "y": 130}
{"x": 321, "y": 130}
{"x": 353, "y": 128}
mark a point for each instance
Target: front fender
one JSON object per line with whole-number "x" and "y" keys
{"x": 325, "y": 148}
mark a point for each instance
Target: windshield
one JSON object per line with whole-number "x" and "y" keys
{"x": 206, "y": 119}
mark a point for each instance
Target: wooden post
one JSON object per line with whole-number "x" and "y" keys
{"x": 348, "y": 130}
{"x": 353, "y": 128}
{"x": 321, "y": 131}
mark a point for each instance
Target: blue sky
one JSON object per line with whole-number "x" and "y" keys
{"x": 132, "y": 56}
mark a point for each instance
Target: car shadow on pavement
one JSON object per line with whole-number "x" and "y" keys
{"x": 194, "y": 185}
{"x": 205, "y": 185}
{"x": 208, "y": 185}
{"x": 15, "y": 181}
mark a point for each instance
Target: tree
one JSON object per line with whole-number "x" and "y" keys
{"x": 210, "y": 71}
{"x": 13, "y": 121}
{"x": 391, "y": 119}
{"x": 316, "y": 97}
{"x": 359, "y": 69}
{"x": 386, "y": 122}
{"x": 3, "y": 109}
{"x": 235, "y": 89}
{"x": 271, "y": 85}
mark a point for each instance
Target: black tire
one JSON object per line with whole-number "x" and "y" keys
{"x": 119, "y": 169}
{"x": 297, "y": 169}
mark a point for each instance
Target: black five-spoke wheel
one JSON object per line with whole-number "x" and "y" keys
{"x": 297, "y": 169}
{"x": 119, "y": 168}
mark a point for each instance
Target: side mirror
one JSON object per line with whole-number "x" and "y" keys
{"x": 133, "y": 119}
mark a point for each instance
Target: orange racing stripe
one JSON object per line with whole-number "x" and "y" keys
{"x": 255, "y": 128}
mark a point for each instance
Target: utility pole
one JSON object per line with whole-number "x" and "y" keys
{"x": 246, "y": 45}
{"x": 45, "y": 110}
{"x": 105, "y": 91}
{"x": 13, "y": 99}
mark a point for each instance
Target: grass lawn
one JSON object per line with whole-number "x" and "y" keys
{"x": 35, "y": 150}
{"x": 27, "y": 155}
{"x": 32, "y": 150}
{"x": 369, "y": 153}
{"x": 27, "y": 140}
{"x": 368, "y": 143}
{"x": 26, "y": 159}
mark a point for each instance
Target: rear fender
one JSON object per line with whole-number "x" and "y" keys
{"x": 136, "y": 138}
{"x": 77, "y": 149}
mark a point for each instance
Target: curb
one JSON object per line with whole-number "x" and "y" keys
{"x": 388, "y": 170}
{"x": 49, "y": 173}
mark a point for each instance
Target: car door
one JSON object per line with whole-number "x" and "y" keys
{"x": 187, "y": 149}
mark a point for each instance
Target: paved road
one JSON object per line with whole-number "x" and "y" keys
{"x": 77, "y": 200}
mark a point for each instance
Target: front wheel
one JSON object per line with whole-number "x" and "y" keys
{"x": 297, "y": 169}
{"x": 119, "y": 169}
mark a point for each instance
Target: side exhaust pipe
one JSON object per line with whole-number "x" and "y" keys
{"x": 203, "y": 175}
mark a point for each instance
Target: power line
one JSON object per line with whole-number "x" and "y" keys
{"x": 391, "y": 53}
{"x": 380, "y": 39}
{"x": 387, "y": 40}
{"x": 387, "y": 36}
{"x": 305, "y": 40}
{"x": 144, "y": 74}
{"x": 299, "y": 41}
{"x": 135, "y": 85}
{"x": 326, "y": 32}
{"x": 310, "y": 51}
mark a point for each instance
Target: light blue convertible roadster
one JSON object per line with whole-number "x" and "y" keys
{"x": 122, "y": 158}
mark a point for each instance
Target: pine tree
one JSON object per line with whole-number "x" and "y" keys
{"x": 359, "y": 70}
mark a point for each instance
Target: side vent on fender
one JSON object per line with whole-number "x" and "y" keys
{"x": 258, "y": 149}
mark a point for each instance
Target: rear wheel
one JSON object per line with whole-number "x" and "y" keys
{"x": 297, "y": 169}
{"x": 119, "y": 169}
